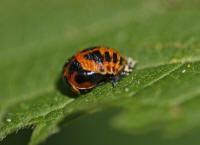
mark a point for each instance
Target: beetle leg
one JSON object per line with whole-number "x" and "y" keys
{"x": 115, "y": 79}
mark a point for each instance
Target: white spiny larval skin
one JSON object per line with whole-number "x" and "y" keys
{"x": 130, "y": 65}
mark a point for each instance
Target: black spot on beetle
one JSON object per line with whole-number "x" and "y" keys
{"x": 88, "y": 56}
{"x": 114, "y": 57}
{"x": 75, "y": 66}
{"x": 121, "y": 60}
{"x": 88, "y": 76}
{"x": 107, "y": 56}
{"x": 95, "y": 56}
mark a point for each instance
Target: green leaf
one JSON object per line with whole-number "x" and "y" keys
{"x": 170, "y": 104}
{"x": 37, "y": 37}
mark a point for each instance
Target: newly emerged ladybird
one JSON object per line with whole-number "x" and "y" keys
{"x": 94, "y": 66}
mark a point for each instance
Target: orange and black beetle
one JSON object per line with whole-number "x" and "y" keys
{"x": 94, "y": 66}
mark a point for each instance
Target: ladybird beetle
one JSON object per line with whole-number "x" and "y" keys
{"x": 94, "y": 66}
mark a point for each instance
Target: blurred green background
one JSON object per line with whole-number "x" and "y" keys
{"x": 37, "y": 37}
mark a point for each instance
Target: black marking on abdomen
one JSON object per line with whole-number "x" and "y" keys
{"x": 75, "y": 67}
{"x": 96, "y": 56}
{"x": 121, "y": 60}
{"x": 89, "y": 76}
{"x": 107, "y": 56}
{"x": 114, "y": 57}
